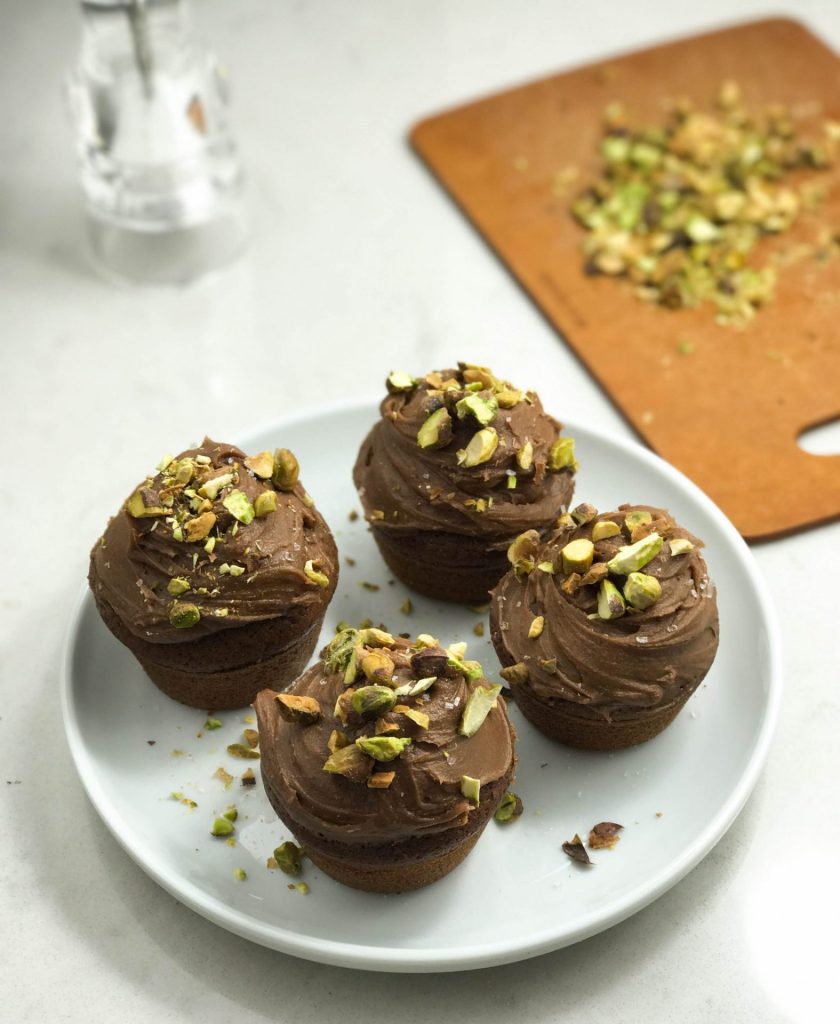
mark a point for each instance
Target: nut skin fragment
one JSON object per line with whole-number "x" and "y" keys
{"x": 286, "y": 471}
{"x": 576, "y": 851}
{"x": 381, "y": 780}
{"x": 303, "y": 710}
{"x": 604, "y": 835}
{"x": 578, "y": 555}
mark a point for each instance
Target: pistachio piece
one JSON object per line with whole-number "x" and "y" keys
{"x": 350, "y": 762}
{"x": 373, "y": 637}
{"x": 247, "y": 778}
{"x": 525, "y": 456}
{"x": 514, "y": 674}
{"x": 237, "y": 503}
{"x": 240, "y": 874}
{"x": 178, "y": 585}
{"x": 184, "y": 471}
{"x": 372, "y": 701}
{"x": 479, "y": 449}
{"x": 605, "y": 528}
{"x": 479, "y": 704}
{"x": 243, "y": 752}
{"x": 420, "y": 718}
{"x": 509, "y": 809}
{"x": 547, "y": 567}
{"x": 382, "y": 748}
{"x": 183, "y": 614}
{"x": 610, "y": 601}
{"x": 483, "y": 409}
{"x": 213, "y": 723}
{"x": 415, "y": 689}
{"x": 509, "y": 398}
{"x": 635, "y": 519}
{"x": 385, "y": 725}
{"x": 572, "y": 583}
{"x": 470, "y": 788}
{"x": 426, "y": 640}
{"x": 436, "y": 431}
{"x": 314, "y": 575}
{"x": 565, "y": 522}
{"x": 680, "y": 546}
{"x": 144, "y": 503}
{"x": 481, "y": 374}
{"x": 222, "y": 827}
{"x": 633, "y": 557}
{"x": 524, "y": 548}
{"x": 289, "y": 857}
{"x": 252, "y": 737}
{"x": 597, "y": 572}
{"x": 210, "y": 488}
{"x": 641, "y": 591}
{"x": 536, "y": 627}
{"x": 399, "y": 380}
{"x": 265, "y": 504}
{"x": 198, "y": 528}
{"x": 429, "y": 662}
{"x": 584, "y": 513}
{"x": 292, "y": 708}
{"x": 561, "y": 455}
{"x": 577, "y": 555}
{"x": 337, "y": 740}
{"x": 285, "y": 471}
{"x": 231, "y": 813}
{"x": 381, "y": 780}
{"x": 340, "y": 650}
{"x": 261, "y": 465}
{"x": 377, "y": 666}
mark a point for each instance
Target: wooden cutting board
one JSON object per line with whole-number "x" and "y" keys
{"x": 729, "y": 413}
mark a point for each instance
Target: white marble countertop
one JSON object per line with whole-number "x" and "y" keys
{"x": 357, "y": 258}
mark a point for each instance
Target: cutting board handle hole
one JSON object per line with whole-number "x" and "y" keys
{"x": 823, "y": 439}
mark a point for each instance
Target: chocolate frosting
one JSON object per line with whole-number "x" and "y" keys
{"x": 632, "y": 666}
{"x": 425, "y": 795}
{"x": 405, "y": 487}
{"x": 136, "y": 558}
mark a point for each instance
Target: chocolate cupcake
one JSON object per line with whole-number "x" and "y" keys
{"x": 459, "y": 464}
{"x": 607, "y": 628}
{"x": 216, "y": 574}
{"x": 386, "y": 759}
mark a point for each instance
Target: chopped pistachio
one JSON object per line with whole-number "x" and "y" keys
{"x": 479, "y": 704}
{"x": 164, "y": 462}
{"x": 294, "y": 708}
{"x": 372, "y": 701}
{"x": 584, "y": 513}
{"x": 511, "y": 480}
{"x": 289, "y": 858}
{"x": 561, "y": 455}
{"x": 240, "y": 874}
{"x": 420, "y": 718}
{"x": 508, "y": 398}
{"x": 286, "y": 470}
{"x": 680, "y": 546}
{"x": 381, "y": 780}
{"x": 577, "y": 555}
{"x": 415, "y": 689}
{"x": 565, "y": 522}
{"x": 222, "y": 827}
{"x": 509, "y": 809}
{"x": 237, "y": 503}
{"x": 210, "y": 545}
{"x": 224, "y": 777}
{"x": 142, "y": 504}
{"x": 610, "y": 601}
{"x": 265, "y": 504}
{"x": 633, "y": 557}
{"x": 337, "y": 740}
{"x": 377, "y": 666}
{"x": 514, "y": 674}
{"x": 470, "y": 788}
{"x": 536, "y": 627}
{"x": 199, "y": 528}
{"x": 302, "y": 888}
{"x": 349, "y": 761}
{"x": 231, "y": 813}
{"x": 183, "y": 615}
{"x": 315, "y": 575}
{"x": 399, "y": 380}
{"x": 478, "y": 629}
{"x": 525, "y": 456}
{"x": 605, "y": 528}
{"x": 597, "y": 572}
{"x": 243, "y": 751}
{"x": 247, "y": 778}
{"x": 479, "y": 449}
{"x": 213, "y": 723}
{"x": 436, "y": 431}
{"x": 641, "y": 591}
{"x": 261, "y": 465}
{"x": 523, "y": 548}
{"x": 382, "y": 748}
{"x": 211, "y": 488}
{"x": 406, "y": 607}
{"x": 457, "y": 650}
{"x": 637, "y": 518}
{"x": 547, "y": 567}
{"x": 483, "y": 409}
{"x": 178, "y": 585}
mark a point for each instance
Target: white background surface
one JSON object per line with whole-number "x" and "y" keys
{"x": 358, "y": 262}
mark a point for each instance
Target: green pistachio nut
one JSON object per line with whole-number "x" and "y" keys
{"x": 144, "y": 503}
{"x": 479, "y": 449}
{"x": 633, "y": 557}
{"x": 584, "y": 513}
{"x": 222, "y": 827}
{"x": 265, "y": 504}
{"x": 641, "y": 591}
{"x": 680, "y": 546}
{"x": 349, "y": 761}
{"x": 289, "y": 857}
{"x": 399, "y": 380}
{"x": 605, "y": 528}
{"x": 286, "y": 471}
{"x": 340, "y": 650}
{"x": 373, "y": 701}
{"x": 525, "y": 456}
{"x": 382, "y": 748}
{"x": 415, "y": 689}
{"x": 314, "y": 575}
{"x": 436, "y": 431}
{"x": 536, "y": 627}
{"x": 261, "y": 465}
{"x": 577, "y": 555}
{"x": 377, "y": 666}
{"x": 483, "y": 409}
{"x": 635, "y": 519}
{"x": 524, "y": 548}
{"x": 239, "y": 506}
{"x": 470, "y": 788}
{"x": 178, "y": 585}
{"x": 514, "y": 674}
{"x": 420, "y": 718}
{"x": 509, "y": 809}
{"x": 479, "y": 705}
{"x": 183, "y": 614}
{"x": 561, "y": 455}
{"x": 610, "y": 601}
{"x": 373, "y": 637}
{"x": 210, "y": 489}
{"x": 509, "y": 398}
{"x": 184, "y": 471}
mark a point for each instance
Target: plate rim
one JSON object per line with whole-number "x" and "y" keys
{"x": 482, "y": 955}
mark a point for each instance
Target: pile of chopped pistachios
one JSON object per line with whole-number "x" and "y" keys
{"x": 201, "y": 506}
{"x": 680, "y": 206}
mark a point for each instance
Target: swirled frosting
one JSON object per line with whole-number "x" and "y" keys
{"x": 236, "y": 573}
{"x": 405, "y": 487}
{"x": 633, "y": 665}
{"x": 424, "y": 796}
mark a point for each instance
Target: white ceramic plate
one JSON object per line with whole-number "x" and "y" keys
{"x": 517, "y": 894}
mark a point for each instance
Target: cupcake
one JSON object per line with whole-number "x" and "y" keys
{"x": 386, "y": 759}
{"x": 459, "y": 464}
{"x": 607, "y": 628}
{"x": 216, "y": 574}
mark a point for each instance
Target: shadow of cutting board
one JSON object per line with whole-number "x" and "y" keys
{"x": 729, "y": 413}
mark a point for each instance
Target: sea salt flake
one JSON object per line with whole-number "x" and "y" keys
{"x": 641, "y": 639}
